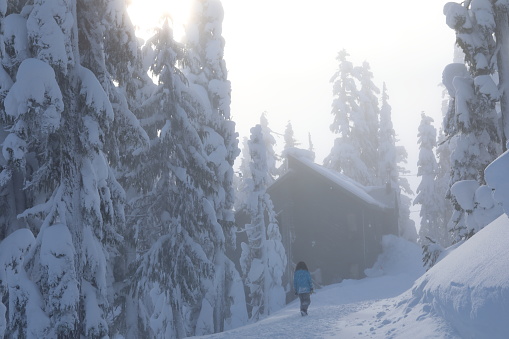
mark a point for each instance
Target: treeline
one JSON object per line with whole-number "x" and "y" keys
{"x": 116, "y": 192}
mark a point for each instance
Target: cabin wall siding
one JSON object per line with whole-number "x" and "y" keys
{"x": 334, "y": 231}
{"x": 337, "y": 233}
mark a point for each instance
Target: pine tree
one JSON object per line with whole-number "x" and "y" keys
{"x": 356, "y": 120}
{"x": 111, "y": 51}
{"x": 366, "y": 124}
{"x": 263, "y": 258}
{"x": 344, "y": 155}
{"x": 167, "y": 235}
{"x": 427, "y": 193}
{"x": 290, "y": 143}
{"x": 23, "y": 310}
{"x": 59, "y": 139}
{"x": 206, "y": 71}
{"x": 270, "y": 142}
{"x": 475, "y": 121}
{"x": 390, "y": 172}
{"x": 244, "y": 177}
{"x": 443, "y": 152}
{"x": 388, "y": 167}
{"x": 189, "y": 286}
{"x": 501, "y": 32}
{"x": 427, "y": 169}
{"x": 482, "y": 33}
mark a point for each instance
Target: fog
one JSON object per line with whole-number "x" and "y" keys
{"x": 281, "y": 55}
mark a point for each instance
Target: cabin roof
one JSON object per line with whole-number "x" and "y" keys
{"x": 335, "y": 178}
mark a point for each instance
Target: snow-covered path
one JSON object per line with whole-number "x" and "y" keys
{"x": 466, "y": 295}
{"x": 354, "y": 308}
{"x": 324, "y": 321}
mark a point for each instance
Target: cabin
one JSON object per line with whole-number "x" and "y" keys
{"x": 329, "y": 221}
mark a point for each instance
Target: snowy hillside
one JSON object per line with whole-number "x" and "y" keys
{"x": 466, "y": 295}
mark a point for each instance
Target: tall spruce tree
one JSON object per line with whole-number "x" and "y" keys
{"x": 111, "y": 51}
{"x": 243, "y": 177}
{"x": 474, "y": 122}
{"x": 387, "y": 154}
{"x": 206, "y": 70}
{"x": 356, "y": 120}
{"x": 290, "y": 142}
{"x": 390, "y": 156}
{"x": 427, "y": 193}
{"x": 178, "y": 234}
{"x": 263, "y": 258}
{"x": 365, "y": 129}
{"x": 270, "y": 142}
{"x": 13, "y": 50}
{"x": 344, "y": 156}
{"x": 58, "y": 140}
{"x": 443, "y": 152}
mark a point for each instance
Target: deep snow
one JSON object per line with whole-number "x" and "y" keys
{"x": 465, "y": 295}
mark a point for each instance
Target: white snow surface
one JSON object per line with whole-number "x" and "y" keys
{"x": 496, "y": 178}
{"x": 465, "y": 295}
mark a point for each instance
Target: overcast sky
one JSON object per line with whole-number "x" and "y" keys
{"x": 281, "y": 54}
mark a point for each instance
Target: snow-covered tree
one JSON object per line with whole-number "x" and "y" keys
{"x": 243, "y": 177}
{"x": 387, "y": 154}
{"x": 70, "y": 75}
{"x": 182, "y": 215}
{"x": 391, "y": 156}
{"x": 344, "y": 156}
{"x": 206, "y": 70}
{"x": 270, "y": 143}
{"x": 482, "y": 29}
{"x": 365, "y": 125}
{"x": 167, "y": 235}
{"x": 391, "y": 168}
{"x": 263, "y": 258}
{"x": 13, "y": 50}
{"x": 427, "y": 193}
{"x": 207, "y": 73}
{"x": 61, "y": 118}
{"x": 426, "y": 169}
{"x": 289, "y": 137}
{"x": 290, "y": 142}
{"x": 356, "y": 120}
{"x": 443, "y": 153}
{"x": 23, "y": 313}
{"x": 473, "y": 122}
{"x": 111, "y": 51}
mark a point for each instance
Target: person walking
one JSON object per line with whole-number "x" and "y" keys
{"x": 303, "y": 286}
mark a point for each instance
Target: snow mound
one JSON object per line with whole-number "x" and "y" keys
{"x": 399, "y": 256}
{"x": 469, "y": 288}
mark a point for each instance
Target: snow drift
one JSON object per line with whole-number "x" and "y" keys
{"x": 470, "y": 287}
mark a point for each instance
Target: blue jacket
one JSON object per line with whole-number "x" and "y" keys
{"x": 302, "y": 282}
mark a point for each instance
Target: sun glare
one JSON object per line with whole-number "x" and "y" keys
{"x": 148, "y": 14}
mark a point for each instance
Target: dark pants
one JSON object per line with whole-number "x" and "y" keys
{"x": 305, "y": 300}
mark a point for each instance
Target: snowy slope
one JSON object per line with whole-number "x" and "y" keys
{"x": 466, "y": 295}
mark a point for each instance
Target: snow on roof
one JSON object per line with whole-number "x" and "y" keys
{"x": 339, "y": 179}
